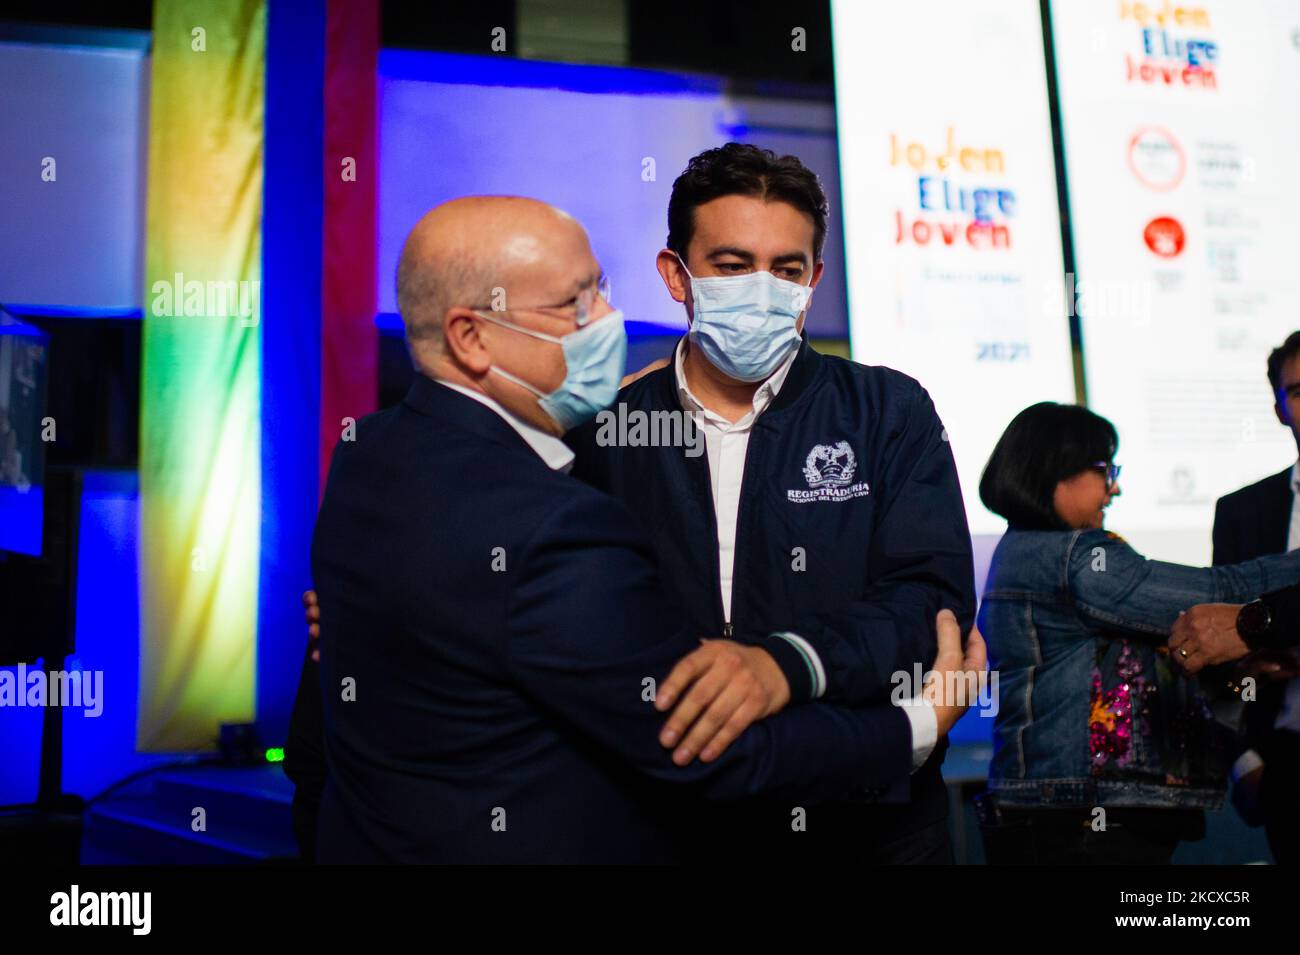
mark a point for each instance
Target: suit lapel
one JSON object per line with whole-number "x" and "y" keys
{"x": 1275, "y": 514}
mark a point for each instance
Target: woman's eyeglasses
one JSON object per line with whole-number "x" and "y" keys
{"x": 1109, "y": 471}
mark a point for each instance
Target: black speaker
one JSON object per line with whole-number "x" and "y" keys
{"x": 38, "y": 595}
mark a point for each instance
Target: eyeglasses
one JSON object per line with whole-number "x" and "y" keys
{"x": 579, "y": 307}
{"x": 1109, "y": 471}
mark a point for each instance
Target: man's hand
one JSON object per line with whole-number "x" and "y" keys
{"x": 653, "y": 366}
{"x": 730, "y": 686}
{"x": 1206, "y": 635}
{"x": 953, "y": 682}
{"x": 311, "y": 611}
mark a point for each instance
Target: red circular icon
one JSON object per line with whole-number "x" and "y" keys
{"x": 1165, "y": 236}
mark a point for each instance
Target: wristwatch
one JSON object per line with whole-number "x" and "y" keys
{"x": 1254, "y": 620}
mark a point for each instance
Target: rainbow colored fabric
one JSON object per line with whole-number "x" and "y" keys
{"x": 200, "y": 440}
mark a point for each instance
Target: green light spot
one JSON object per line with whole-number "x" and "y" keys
{"x": 275, "y": 755}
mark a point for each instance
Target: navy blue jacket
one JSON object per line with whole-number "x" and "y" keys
{"x": 885, "y": 547}
{"x": 884, "y": 542}
{"x": 490, "y": 693}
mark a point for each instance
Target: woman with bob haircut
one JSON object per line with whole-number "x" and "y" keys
{"x": 1104, "y": 752}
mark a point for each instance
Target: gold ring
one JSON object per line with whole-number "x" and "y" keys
{"x": 1182, "y": 653}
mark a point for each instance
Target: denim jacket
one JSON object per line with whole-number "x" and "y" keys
{"x": 1091, "y": 713}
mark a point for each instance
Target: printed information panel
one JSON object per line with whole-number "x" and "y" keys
{"x": 1181, "y": 138}
{"x": 951, "y": 220}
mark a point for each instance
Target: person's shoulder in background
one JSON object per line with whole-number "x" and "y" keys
{"x": 1246, "y": 496}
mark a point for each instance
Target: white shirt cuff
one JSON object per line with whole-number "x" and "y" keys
{"x": 1247, "y": 762}
{"x": 811, "y": 658}
{"x": 925, "y": 729}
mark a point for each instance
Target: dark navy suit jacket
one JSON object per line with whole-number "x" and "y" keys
{"x": 1255, "y": 521}
{"x": 488, "y": 628}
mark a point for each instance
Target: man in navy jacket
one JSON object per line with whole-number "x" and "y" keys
{"x": 492, "y": 629}
{"x": 1253, "y": 522}
{"x": 826, "y": 521}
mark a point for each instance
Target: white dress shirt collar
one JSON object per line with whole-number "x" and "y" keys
{"x": 554, "y": 452}
{"x": 763, "y": 396}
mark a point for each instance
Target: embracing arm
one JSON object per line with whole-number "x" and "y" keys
{"x": 590, "y": 637}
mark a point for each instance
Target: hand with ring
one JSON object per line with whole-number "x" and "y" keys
{"x": 1206, "y": 635}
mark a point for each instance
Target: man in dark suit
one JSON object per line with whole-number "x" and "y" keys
{"x": 494, "y": 631}
{"x": 1252, "y": 522}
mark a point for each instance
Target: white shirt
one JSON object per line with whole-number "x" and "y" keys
{"x": 549, "y": 448}
{"x": 1288, "y": 717}
{"x": 726, "y": 444}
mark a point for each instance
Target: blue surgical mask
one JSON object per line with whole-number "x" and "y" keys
{"x": 594, "y": 356}
{"x": 745, "y": 324}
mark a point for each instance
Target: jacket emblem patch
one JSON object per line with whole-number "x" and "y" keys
{"x": 829, "y": 470}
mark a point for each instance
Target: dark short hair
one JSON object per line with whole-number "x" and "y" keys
{"x": 739, "y": 169}
{"x": 1279, "y": 357}
{"x": 1044, "y": 444}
